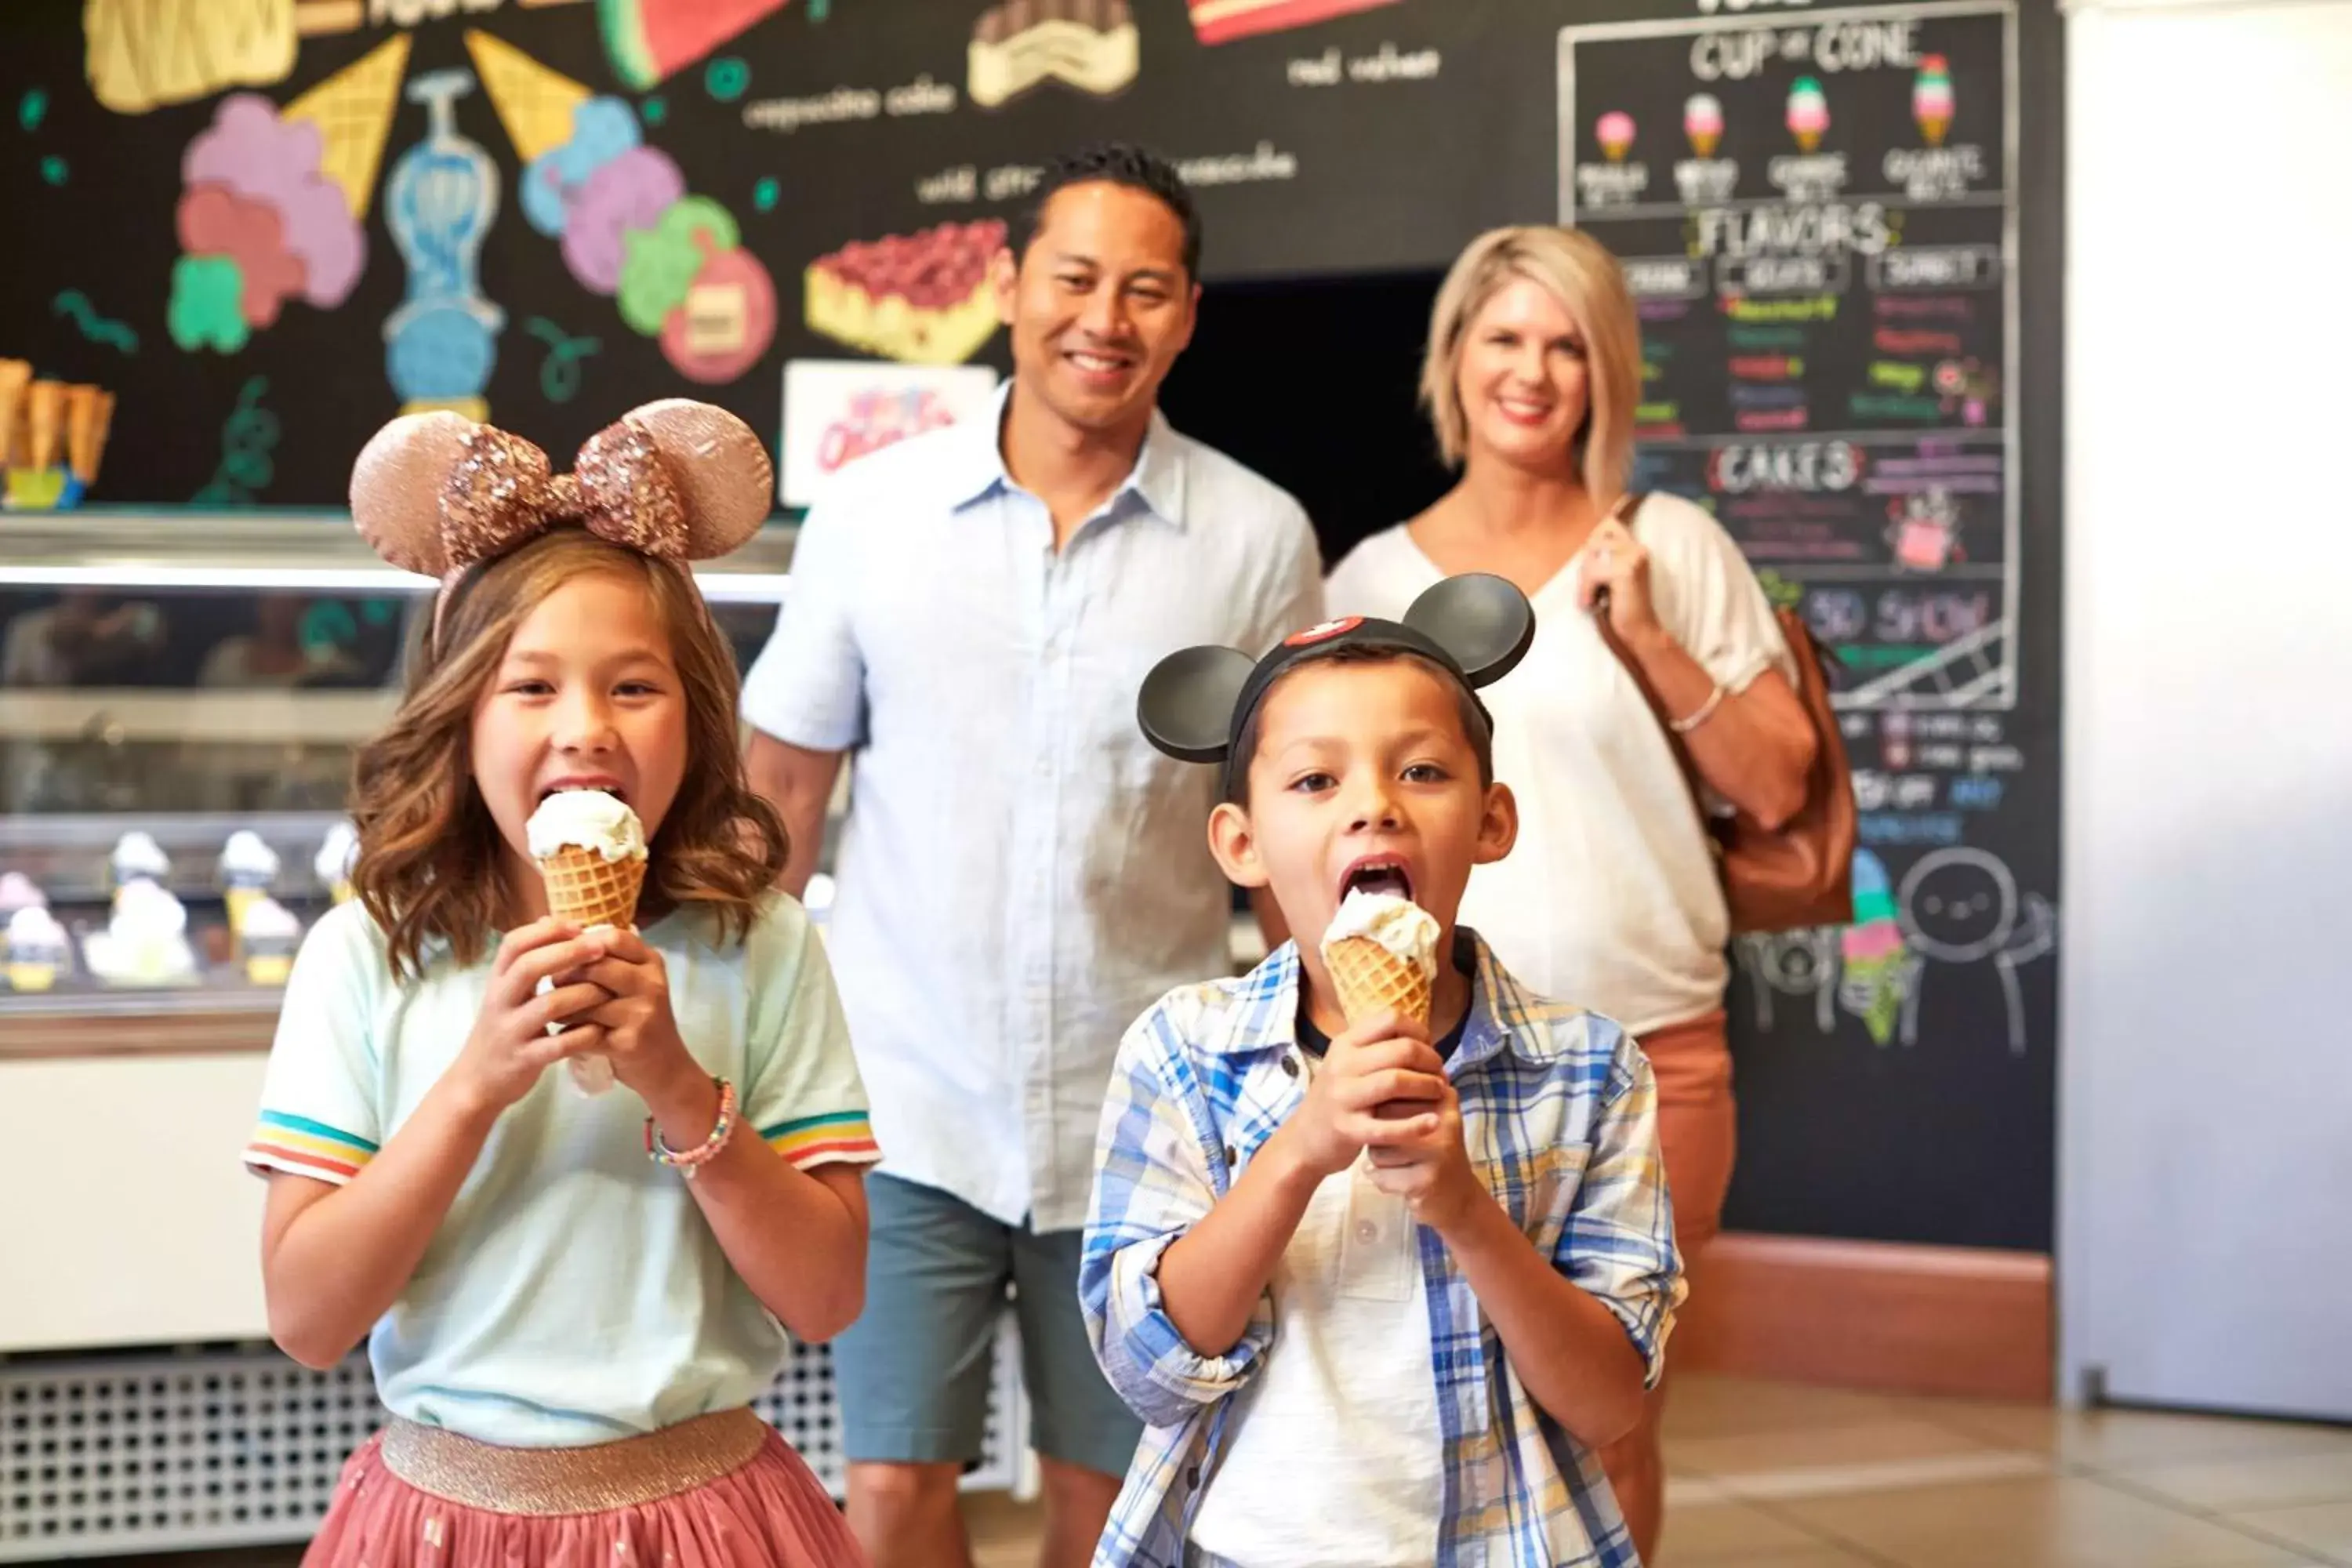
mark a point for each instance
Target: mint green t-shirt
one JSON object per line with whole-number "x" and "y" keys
{"x": 574, "y": 1293}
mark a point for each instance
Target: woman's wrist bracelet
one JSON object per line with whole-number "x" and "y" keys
{"x": 690, "y": 1162}
{"x": 1705, "y": 711}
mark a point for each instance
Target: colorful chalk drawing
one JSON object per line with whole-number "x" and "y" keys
{"x": 441, "y": 344}
{"x": 647, "y": 41}
{"x": 274, "y": 202}
{"x": 1957, "y": 907}
{"x": 144, "y": 53}
{"x": 1960, "y": 906}
{"x": 1931, "y": 99}
{"x": 247, "y": 441}
{"x": 1808, "y": 113}
{"x": 75, "y": 306}
{"x": 1924, "y": 530}
{"x": 727, "y": 80}
{"x": 559, "y": 374}
{"x": 1792, "y": 964}
{"x": 1221, "y": 21}
{"x": 1018, "y": 46}
{"x": 673, "y": 262}
{"x": 1878, "y": 970}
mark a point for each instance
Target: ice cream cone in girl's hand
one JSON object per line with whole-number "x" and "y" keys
{"x": 591, "y": 849}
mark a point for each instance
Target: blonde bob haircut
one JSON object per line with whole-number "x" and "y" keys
{"x": 1576, "y": 270}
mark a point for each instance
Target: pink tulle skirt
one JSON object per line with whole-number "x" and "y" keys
{"x": 722, "y": 1497}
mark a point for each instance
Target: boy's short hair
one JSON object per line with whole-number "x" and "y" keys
{"x": 1476, "y": 729}
{"x": 1113, "y": 164}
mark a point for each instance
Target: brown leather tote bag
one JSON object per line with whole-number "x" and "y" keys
{"x": 1799, "y": 875}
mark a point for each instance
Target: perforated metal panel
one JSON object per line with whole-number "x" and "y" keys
{"x": 229, "y": 1448}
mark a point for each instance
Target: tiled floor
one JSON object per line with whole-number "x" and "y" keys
{"x": 1771, "y": 1476}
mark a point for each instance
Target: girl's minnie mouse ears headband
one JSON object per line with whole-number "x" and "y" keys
{"x": 1196, "y": 702}
{"x": 438, "y": 494}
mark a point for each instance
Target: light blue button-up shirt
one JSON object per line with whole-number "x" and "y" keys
{"x": 1020, "y": 874}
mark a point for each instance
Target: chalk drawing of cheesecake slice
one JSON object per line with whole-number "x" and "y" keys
{"x": 1220, "y": 21}
{"x": 920, "y": 298}
{"x": 1088, "y": 44}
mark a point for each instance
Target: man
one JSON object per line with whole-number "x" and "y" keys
{"x": 973, "y": 613}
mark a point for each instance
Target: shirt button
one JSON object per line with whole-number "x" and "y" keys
{"x": 1232, "y": 1158}
{"x": 1193, "y": 1477}
{"x": 1290, "y": 1066}
{"x": 1366, "y": 1231}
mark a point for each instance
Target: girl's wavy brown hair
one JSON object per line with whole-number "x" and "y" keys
{"x": 430, "y": 855}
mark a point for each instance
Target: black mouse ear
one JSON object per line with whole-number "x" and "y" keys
{"x": 1186, "y": 707}
{"x": 1484, "y": 621}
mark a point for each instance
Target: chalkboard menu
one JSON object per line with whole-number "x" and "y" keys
{"x": 1819, "y": 221}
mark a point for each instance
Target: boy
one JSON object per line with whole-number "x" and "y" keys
{"x": 1477, "y": 1303}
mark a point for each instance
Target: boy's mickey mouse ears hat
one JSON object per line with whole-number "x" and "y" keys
{"x": 1196, "y": 701}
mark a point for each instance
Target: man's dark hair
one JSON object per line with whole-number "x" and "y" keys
{"x": 1476, "y": 729}
{"x": 1114, "y": 164}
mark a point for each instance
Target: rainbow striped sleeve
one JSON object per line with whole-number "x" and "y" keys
{"x": 844, "y": 1136}
{"x": 306, "y": 1148}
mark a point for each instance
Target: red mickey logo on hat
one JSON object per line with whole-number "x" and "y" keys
{"x": 1323, "y": 633}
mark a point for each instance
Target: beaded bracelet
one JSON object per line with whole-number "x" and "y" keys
{"x": 690, "y": 1164}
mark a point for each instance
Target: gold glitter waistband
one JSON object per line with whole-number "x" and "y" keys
{"x": 543, "y": 1482}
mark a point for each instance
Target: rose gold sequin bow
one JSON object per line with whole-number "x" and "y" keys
{"x": 438, "y": 494}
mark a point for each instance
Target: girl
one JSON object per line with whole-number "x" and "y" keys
{"x": 567, "y": 1332}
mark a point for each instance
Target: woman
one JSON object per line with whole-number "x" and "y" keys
{"x": 1610, "y": 899}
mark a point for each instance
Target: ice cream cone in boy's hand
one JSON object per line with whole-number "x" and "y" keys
{"x": 590, "y": 848}
{"x": 1381, "y": 950}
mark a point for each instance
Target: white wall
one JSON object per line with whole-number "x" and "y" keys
{"x": 124, "y": 1216}
{"x": 2206, "y": 1090}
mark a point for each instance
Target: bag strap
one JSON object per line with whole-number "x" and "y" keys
{"x": 1625, "y": 512}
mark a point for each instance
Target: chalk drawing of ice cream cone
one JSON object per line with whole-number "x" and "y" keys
{"x": 1703, "y": 123}
{"x": 1878, "y": 968}
{"x": 1808, "y": 113}
{"x": 1931, "y": 100}
{"x": 1615, "y": 131}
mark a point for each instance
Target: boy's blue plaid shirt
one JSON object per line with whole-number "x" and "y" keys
{"x": 1559, "y": 1118}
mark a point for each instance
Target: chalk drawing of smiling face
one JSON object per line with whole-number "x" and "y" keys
{"x": 1959, "y": 905}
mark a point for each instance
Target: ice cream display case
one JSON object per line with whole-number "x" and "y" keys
{"x": 180, "y": 694}
{"x": 180, "y": 698}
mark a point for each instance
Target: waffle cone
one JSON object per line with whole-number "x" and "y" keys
{"x": 44, "y": 417}
{"x": 352, "y": 109}
{"x": 535, "y": 103}
{"x": 587, "y": 889}
{"x": 15, "y": 377}
{"x": 1370, "y": 979}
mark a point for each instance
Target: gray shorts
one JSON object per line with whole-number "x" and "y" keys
{"x": 913, "y": 1371}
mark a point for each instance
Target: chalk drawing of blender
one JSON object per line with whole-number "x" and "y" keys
{"x": 441, "y": 343}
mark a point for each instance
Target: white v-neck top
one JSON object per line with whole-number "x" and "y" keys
{"x": 1609, "y": 900}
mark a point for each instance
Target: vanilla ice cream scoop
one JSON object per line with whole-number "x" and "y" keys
{"x": 33, "y": 929}
{"x": 35, "y": 950}
{"x": 269, "y": 921}
{"x": 137, "y": 855}
{"x": 1398, "y": 924}
{"x": 146, "y": 909}
{"x": 146, "y": 941}
{"x": 246, "y": 859}
{"x": 337, "y": 854}
{"x": 586, "y": 819}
